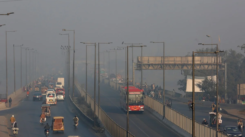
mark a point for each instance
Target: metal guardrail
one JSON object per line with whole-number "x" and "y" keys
{"x": 180, "y": 120}
{"x": 111, "y": 126}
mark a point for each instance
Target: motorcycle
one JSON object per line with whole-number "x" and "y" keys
{"x": 75, "y": 124}
{"x": 15, "y": 130}
{"x": 47, "y": 133}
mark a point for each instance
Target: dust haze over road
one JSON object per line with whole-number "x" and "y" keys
{"x": 181, "y": 24}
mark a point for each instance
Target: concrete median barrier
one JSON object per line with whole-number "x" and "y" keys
{"x": 4, "y": 132}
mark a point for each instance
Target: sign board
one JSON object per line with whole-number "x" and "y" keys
{"x": 240, "y": 89}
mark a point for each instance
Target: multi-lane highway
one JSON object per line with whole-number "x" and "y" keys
{"x": 141, "y": 125}
{"x": 27, "y": 116}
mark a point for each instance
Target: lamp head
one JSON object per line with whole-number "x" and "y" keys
{"x": 200, "y": 44}
{"x": 63, "y": 29}
{"x": 207, "y": 35}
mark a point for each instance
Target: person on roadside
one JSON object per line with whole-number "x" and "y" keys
{"x": 204, "y": 122}
{"x": 239, "y": 123}
{"x": 10, "y": 102}
{"x": 12, "y": 119}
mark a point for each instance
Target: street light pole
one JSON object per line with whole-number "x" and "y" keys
{"x": 8, "y": 13}
{"x": 163, "y": 77}
{"x": 7, "y": 63}
{"x": 14, "y": 66}
{"x": 26, "y": 63}
{"x": 99, "y": 72}
{"x": 94, "y": 79}
{"x": 68, "y": 62}
{"x": 73, "y": 61}
{"x": 108, "y": 64}
{"x": 21, "y": 67}
{"x": 127, "y": 98}
{"x": 132, "y": 44}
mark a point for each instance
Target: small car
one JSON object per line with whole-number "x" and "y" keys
{"x": 232, "y": 131}
{"x": 37, "y": 96}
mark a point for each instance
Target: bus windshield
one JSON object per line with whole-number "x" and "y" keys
{"x": 136, "y": 99}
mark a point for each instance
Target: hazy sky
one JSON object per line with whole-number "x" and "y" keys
{"x": 181, "y": 24}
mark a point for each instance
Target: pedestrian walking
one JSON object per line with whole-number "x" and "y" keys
{"x": 10, "y": 102}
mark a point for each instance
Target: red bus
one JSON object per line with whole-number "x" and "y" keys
{"x": 136, "y": 99}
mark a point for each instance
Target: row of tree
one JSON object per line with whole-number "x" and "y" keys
{"x": 235, "y": 74}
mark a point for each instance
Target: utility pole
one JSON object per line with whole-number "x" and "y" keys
{"x": 193, "y": 94}
{"x": 217, "y": 83}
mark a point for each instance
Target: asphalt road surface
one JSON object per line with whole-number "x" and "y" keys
{"x": 141, "y": 125}
{"x": 27, "y": 116}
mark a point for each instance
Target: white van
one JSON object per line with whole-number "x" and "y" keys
{"x": 59, "y": 84}
{"x": 51, "y": 97}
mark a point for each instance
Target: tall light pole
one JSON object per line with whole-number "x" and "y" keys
{"x": 115, "y": 49}
{"x": 108, "y": 64}
{"x": 211, "y": 39}
{"x": 163, "y": 76}
{"x": 141, "y": 63}
{"x": 29, "y": 78}
{"x": 68, "y": 62}
{"x": 217, "y": 84}
{"x": 127, "y": 97}
{"x": 14, "y": 66}
{"x": 26, "y": 63}
{"x": 94, "y": 78}
{"x": 132, "y": 44}
{"x": 8, "y": 13}
{"x": 73, "y": 61}
{"x": 6, "y": 34}
{"x": 99, "y": 72}
{"x": 21, "y": 67}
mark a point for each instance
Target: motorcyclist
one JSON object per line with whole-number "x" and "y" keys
{"x": 12, "y": 119}
{"x": 46, "y": 127}
{"x": 27, "y": 93}
{"x": 213, "y": 106}
{"x": 204, "y": 122}
{"x": 15, "y": 124}
{"x": 42, "y": 117}
{"x": 75, "y": 119}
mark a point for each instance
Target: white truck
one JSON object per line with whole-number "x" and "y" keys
{"x": 60, "y": 82}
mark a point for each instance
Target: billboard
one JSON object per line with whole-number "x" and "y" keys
{"x": 197, "y": 81}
